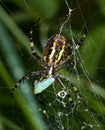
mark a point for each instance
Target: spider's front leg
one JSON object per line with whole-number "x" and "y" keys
{"x": 62, "y": 94}
{"x": 79, "y": 96}
{"x": 26, "y": 77}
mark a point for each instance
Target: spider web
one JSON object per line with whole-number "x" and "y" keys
{"x": 57, "y": 112}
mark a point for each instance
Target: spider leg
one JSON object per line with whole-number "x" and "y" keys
{"x": 33, "y": 48}
{"x": 64, "y": 92}
{"x": 29, "y": 58}
{"x": 79, "y": 96}
{"x": 26, "y": 77}
{"x": 81, "y": 40}
{"x": 62, "y": 63}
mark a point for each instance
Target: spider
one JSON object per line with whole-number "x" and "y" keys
{"x": 54, "y": 58}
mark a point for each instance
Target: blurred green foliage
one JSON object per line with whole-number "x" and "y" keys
{"x": 16, "y": 19}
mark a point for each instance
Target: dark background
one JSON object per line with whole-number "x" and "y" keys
{"x": 16, "y": 19}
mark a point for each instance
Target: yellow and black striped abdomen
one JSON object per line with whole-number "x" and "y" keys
{"x": 55, "y": 50}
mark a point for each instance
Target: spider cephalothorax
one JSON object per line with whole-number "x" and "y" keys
{"x": 54, "y": 57}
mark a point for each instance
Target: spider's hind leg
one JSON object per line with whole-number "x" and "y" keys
{"x": 34, "y": 53}
{"x": 81, "y": 40}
